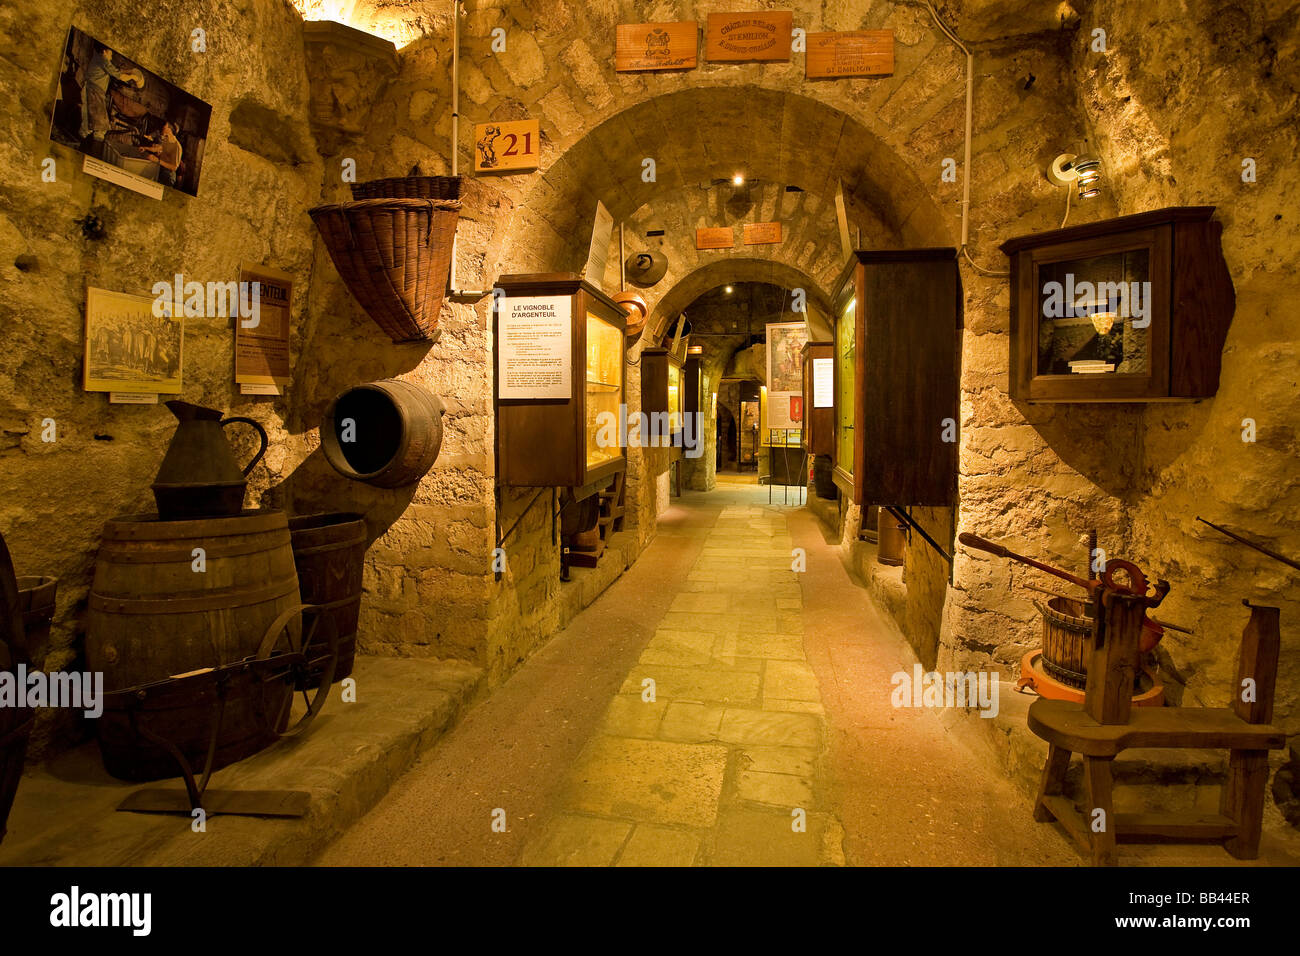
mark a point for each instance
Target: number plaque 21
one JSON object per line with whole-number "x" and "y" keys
{"x": 506, "y": 146}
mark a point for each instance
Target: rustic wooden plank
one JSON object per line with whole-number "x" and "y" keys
{"x": 1101, "y": 827}
{"x": 1242, "y": 801}
{"x": 639, "y": 47}
{"x": 1261, "y": 644}
{"x": 1064, "y": 812}
{"x": 1052, "y": 782}
{"x": 715, "y": 237}
{"x": 1067, "y": 725}
{"x": 1155, "y": 827}
{"x": 1108, "y": 695}
{"x": 849, "y": 53}
{"x": 764, "y": 35}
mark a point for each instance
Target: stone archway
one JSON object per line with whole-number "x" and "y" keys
{"x": 796, "y": 151}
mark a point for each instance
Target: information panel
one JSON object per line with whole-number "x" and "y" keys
{"x": 535, "y": 347}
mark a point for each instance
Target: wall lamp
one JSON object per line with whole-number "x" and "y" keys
{"x": 1084, "y": 171}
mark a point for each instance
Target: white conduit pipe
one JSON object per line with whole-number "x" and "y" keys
{"x": 965, "y": 170}
{"x": 455, "y": 147}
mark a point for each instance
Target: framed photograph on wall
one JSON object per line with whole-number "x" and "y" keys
{"x": 128, "y": 119}
{"x": 128, "y": 348}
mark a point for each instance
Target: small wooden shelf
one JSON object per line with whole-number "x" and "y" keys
{"x": 1134, "y": 309}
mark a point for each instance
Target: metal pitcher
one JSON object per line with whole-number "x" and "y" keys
{"x": 199, "y": 476}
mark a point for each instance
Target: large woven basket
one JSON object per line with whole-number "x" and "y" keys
{"x": 409, "y": 187}
{"x": 394, "y": 255}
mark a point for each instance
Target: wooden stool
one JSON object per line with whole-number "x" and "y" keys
{"x": 1104, "y": 725}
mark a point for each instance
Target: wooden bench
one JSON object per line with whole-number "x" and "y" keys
{"x": 1105, "y": 724}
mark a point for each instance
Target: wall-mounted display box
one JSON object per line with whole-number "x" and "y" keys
{"x": 695, "y": 396}
{"x": 1134, "y": 309}
{"x": 819, "y": 398}
{"x": 897, "y": 370}
{"x": 663, "y": 391}
{"x": 560, "y": 355}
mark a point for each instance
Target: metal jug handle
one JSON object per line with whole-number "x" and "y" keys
{"x": 261, "y": 434}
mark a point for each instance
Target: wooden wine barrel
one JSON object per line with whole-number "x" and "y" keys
{"x": 155, "y": 612}
{"x": 36, "y": 602}
{"x": 15, "y": 730}
{"x": 329, "y": 551}
{"x": 384, "y": 433}
{"x": 891, "y": 545}
{"x": 1066, "y": 645}
{"x": 15, "y": 722}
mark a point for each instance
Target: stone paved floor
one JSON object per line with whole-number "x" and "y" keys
{"x": 771, "y": 707}
{"x": 714, "y": 751}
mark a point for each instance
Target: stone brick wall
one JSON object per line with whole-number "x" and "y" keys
{"x": 260, "y": 174}
{"x": 1172, "y": 108}
{"x": 1180, "y": 99}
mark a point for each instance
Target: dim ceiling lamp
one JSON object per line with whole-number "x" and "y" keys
{"x": 695, "y": 350}
{"x": 738, "y": 179}
{"x": 728, "y": 290}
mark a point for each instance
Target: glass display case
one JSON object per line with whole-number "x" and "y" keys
{"x": 694, "y": 387}
{"x": 675, "y": 397}
{"x": 604, "y": 387}
{"x": 663, "y": 392}
{"x": 845, "y": 372}
{"x": 560, "y": 350}
{"x": 1129, "y": 309}
{"x": 897, "y": 373}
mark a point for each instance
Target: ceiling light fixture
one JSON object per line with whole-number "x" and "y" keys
{"x": 738, "y": 180}
{"x": 728, "y": 290}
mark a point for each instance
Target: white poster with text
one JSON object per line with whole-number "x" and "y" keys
{"x": 535, "y": 347}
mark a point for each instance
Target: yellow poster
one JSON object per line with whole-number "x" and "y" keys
{"x": 262, "y": 326}
{"x": 128, "y": 347}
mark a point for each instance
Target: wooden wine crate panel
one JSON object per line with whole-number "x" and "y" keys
{"x": 762, "y": 233}
{"x": 744, "y": 37}
{"x": 852, "y": 53}
{"x": 639, "y": 47}
{"x": 715, "y": 237}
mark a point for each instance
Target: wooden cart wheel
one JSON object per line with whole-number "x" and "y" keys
{"x": 300, "y": 659}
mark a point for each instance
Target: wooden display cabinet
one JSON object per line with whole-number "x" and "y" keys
{"x": 555, "y": 441}
{"x": 663, "y": 391}
{"x": 897, "y": 350}
{"x": 818, "y": 422}
{"x": 1134, "y": 309}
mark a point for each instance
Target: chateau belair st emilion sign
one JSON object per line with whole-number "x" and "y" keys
{"x": 762, "y": 35}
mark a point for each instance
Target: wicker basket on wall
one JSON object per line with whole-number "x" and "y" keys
{"x": 409, "y": 187}
{"x": 394, "y": 256}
